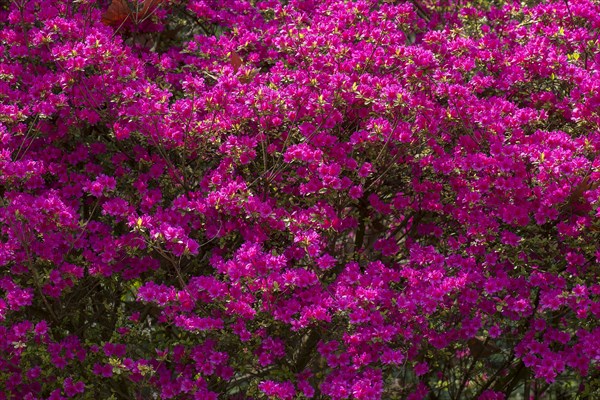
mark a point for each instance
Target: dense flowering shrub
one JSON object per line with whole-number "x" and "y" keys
{"x": 324, "y": 199}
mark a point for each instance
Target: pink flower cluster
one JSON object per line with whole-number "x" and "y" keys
{"x": 323, "y": 199}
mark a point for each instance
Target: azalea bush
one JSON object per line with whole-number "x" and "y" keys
{"x": 303, "y": 199}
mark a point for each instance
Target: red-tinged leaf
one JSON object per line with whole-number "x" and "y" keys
{"x": 236, "y": 61}
{"x": 121, "y": 10}
{"x": 116, "y": 13}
